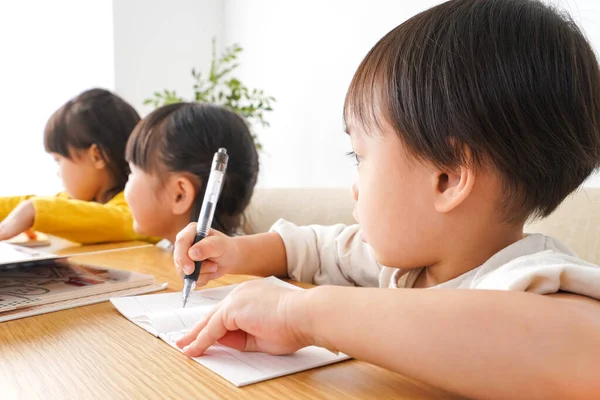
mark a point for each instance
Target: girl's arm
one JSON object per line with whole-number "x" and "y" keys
{"x": 313, "y": 254}
{"x": 328, "y": 255}
{"x": 84, "y": 221}
{"x": 8, "y": 204}
{"x": 75, "y": 220}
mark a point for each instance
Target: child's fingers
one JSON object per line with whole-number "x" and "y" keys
{"x": 182, "y": 244}
{"x": 193, "y": 333}
{"x": 208, "y": 266}
{"x": 217, "y": 274}
{"x": 206, "y": 277}
{"x": 185, "y": 252}
{"x": 214, "y": 330}
{"x": 207, "y": 271}
{"x": 212, "y": 247}
{"x": 203, "y": 279}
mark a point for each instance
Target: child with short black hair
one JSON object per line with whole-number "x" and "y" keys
{"x": 465, "y": 121}
{"x": 87, "y": 138}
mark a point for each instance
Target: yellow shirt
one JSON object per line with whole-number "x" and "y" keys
{"x": 79, "y": 221}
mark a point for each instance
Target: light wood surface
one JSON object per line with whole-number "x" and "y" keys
{"x": 94, "y": 352}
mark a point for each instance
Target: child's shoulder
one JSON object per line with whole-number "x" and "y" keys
{"x": 539, "y": 264}
{"x": 118, "y": 198}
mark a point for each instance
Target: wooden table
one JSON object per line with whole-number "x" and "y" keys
{"x": 94, "y": 352}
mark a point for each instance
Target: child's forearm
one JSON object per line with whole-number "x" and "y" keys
{"x": 8, "y": 204}
{"x": 261, "y": 255}
{"x": 482, "y": 344}
{"x": 83, "y": 221}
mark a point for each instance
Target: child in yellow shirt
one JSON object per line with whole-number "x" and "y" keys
{"x": 87, "y": 138}
{"x": 170, "y": 154}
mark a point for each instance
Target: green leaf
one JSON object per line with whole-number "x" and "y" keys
{"x": 226, "y": 71}
{"x": 218, "y": 87}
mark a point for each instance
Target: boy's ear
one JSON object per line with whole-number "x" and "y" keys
{"x": 95, "y": 156}
{"x": 183, "y": 195}
{"x": 452, "y": 187}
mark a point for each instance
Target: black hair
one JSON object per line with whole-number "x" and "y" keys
{"x": 513, "y": 82}
{"x": 184, "y": 137}
{"x": 98, "y": 117}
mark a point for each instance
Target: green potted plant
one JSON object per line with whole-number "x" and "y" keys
{"x": 221, "y": 88}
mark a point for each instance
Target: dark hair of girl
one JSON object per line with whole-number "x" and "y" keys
{"x": 184, "y": 137}
{"x": 95, "y": 117}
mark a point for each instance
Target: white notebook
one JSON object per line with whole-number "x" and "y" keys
{"x": 162, "y": 316}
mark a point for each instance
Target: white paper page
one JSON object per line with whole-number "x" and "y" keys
{"x": 162, "y": 316}
{"x": 241, "y": 368}
{"x": 11, "y": 254}
{"x": 181, "y": 319}
{"x": 145, "y": 310}
{"x": 162, "y": 313}
{"x": 57, "y": 244}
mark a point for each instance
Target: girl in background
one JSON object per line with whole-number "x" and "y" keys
{"x": 170, "y": 155}
{"x": 87, "y": 138}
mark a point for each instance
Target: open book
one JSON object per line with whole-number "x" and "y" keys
{"x": 31, "y": 290}
{"x": 162, "y": 316}
{"x": 41, "y": 241}
{"x": 13, "y": 256}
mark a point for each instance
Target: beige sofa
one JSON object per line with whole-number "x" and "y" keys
{"x": 576, "y": 222}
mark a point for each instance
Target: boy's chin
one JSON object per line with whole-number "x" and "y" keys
{"x": 382, "y": 259}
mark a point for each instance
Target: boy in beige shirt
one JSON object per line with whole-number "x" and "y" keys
{"x": 465, "y": 121}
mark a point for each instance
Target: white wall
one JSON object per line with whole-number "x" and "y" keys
{"x": 158, "y": 42}
{"x": 51, "y": 51}
{"x": 304, "y": 54}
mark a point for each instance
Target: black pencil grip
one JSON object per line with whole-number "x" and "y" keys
{"x": 197, "y": 264}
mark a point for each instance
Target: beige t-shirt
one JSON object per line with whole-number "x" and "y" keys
{"x": 336, "y": 255}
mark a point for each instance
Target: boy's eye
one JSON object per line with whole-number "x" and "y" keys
{"x": 354, "y": 157}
